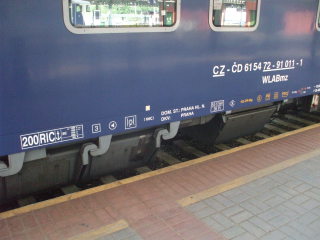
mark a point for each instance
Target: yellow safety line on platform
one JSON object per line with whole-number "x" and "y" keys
{"x": 102, "y": 231}
{"x": 246, "y": 179}
{"x": 101, "y": 188}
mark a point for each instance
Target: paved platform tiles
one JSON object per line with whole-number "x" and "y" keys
{"x": 266, "y": 190}
{"x": 284, "y": 205}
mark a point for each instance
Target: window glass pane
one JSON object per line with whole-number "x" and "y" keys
{"x": 319, "y": 18}
{"x": 235, "y": 13}
{"x": 122, "y": 13}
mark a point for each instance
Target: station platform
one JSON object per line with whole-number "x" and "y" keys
{"x": 265, "y": 190}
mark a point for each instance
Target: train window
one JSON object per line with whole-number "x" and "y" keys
{"x": 107, "y": 16}
{"x": 318, "y": 18}
{"x": 234, "y": 15}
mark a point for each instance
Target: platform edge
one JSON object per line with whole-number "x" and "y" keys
{"x": 62, "y": 199}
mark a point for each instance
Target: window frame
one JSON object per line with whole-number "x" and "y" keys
{"x": 88, "y": 30}
{"x": 318, "y": 17}
{"x": 233, "y": 29}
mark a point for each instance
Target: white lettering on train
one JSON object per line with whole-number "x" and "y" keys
{"x": 51, "y": 136}
{"x": 274, "y": 79}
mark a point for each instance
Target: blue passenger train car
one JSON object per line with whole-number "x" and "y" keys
{"x": 109, "y": 79}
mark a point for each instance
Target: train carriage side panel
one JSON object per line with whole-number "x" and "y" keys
{"x": 56, "y": 86}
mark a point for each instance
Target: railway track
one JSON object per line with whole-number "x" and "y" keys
{"x": 177, "y": 151}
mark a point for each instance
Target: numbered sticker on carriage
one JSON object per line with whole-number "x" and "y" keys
{"x": 44, "y": 138}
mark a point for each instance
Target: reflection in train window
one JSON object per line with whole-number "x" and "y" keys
{"x": 318, "y": 19}
{"x": 235, "y": 13}
{"x": 122, "y": 13}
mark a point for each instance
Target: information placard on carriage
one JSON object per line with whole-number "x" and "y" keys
{"x": 49, "y": 137}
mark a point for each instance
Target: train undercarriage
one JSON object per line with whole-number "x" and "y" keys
{"x": 80, "y": 163}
